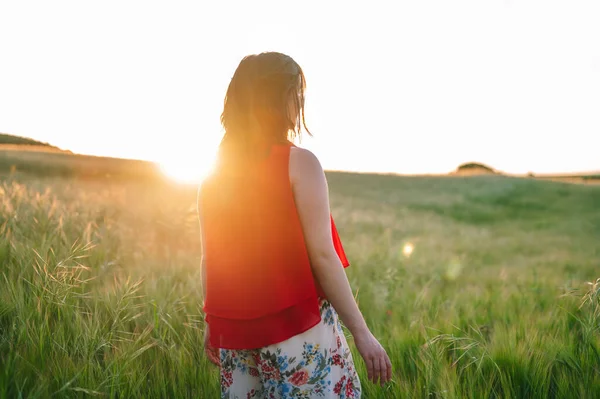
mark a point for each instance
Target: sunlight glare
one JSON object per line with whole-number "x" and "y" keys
{"x": 186, "y": 170}
{"x": 454, "y": 270}
{"x": 408, "y": 249}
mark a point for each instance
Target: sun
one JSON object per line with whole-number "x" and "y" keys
{"x": 187, "y": 170}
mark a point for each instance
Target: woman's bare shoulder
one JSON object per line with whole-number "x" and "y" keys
{"x": 304, "y": 165}
{"x": 301, "y": 158}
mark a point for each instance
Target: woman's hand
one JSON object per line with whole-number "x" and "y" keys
{"x": 376, "y": 359}
{"x": 211, "y": 352}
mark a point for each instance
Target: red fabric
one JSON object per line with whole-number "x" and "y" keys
{"x": 266, "y": 330}
{"x": 259, "y": 284}
{"x": 337, "y": 243}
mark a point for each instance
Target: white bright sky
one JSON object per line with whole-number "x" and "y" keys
{"x": 406, "y": 87}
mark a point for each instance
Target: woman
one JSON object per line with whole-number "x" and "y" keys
{"x": 272, "y": 261}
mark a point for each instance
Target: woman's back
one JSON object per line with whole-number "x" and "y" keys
{"x": 257, "y": 264}
{"x": 253, "y": 234}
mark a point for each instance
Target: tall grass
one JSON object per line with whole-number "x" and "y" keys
{"x": 100, "y": 286}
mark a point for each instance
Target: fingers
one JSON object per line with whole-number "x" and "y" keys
{"x": 211, "y": 355}
{"x": 377, "y": 362}
{"x": 376, "y": 370}
{"x": 215, "y": 355}
{"x": 370, "y": 368}
{"x": 384, "y": 372}
{"x": 388, "y": 365}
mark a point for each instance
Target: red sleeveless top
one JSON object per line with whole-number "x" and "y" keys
{"x": 260, "y": 288}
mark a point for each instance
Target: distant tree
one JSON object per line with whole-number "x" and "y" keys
{"x": 475, "y": 166}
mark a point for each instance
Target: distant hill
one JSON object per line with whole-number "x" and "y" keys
{"x": 17, "y": 140}
{"x": 473, "y": 168}
{"x": 47, "y": 161}
{"x": 21, "y": 156}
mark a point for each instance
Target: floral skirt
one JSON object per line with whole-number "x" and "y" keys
{"x": 314, "y": 364}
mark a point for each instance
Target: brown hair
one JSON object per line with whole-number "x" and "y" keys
{"x": 256, "y": 106}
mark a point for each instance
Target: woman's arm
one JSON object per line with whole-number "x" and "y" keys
{"x": 203, "y": 276}
{"x": 211, "y": 352}
{"x": 202, "y": 245}
{"x": 311, "y": 194}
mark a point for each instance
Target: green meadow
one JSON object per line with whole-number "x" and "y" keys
{"x": 479, "y": 286}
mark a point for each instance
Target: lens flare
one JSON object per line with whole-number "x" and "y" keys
{"x": 408, "y": 249}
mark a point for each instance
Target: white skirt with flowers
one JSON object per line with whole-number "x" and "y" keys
{"x": 314, "y": 364}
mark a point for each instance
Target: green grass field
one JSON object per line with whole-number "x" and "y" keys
{"x": 100, "y": 285}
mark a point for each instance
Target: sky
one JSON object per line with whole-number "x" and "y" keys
{"x": 398, "y": 86}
